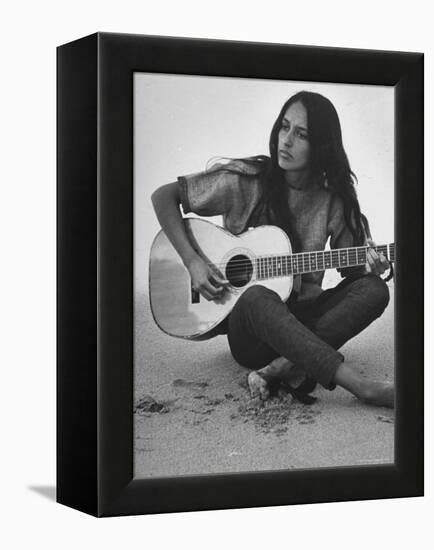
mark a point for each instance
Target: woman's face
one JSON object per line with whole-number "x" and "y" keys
{"x": 293, "y": 148}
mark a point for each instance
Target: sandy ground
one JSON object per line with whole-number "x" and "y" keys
{"x": 193, "y": 414}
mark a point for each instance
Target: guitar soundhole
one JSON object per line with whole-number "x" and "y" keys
{"x": 239, "y": 270}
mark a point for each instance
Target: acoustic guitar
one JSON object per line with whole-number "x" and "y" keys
{"x": 262, "y": 255}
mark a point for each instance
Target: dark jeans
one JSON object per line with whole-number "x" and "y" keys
{"x": 262, "y": 327}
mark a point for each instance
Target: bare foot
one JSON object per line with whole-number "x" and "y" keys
{"x": 258, "y": 386}
{"x": 280, "y": 369}
{"x": 381, "y": 394}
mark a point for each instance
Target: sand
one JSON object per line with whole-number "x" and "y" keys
{"x": 193, "y": 413}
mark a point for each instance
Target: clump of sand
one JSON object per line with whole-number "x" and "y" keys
{"x": 148, "y": 404}
{"x": 276, "y": 414}
{"x": 272, "y": 415}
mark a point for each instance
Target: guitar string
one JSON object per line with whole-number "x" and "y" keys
{"x": 299, "y": 258}
{"x": 301, "y": 267}
{"x": 275, "y": 271}
{"x": 336, "y": 251}
{"x": 283, "y": 272}
{"x": 268, "y": 260}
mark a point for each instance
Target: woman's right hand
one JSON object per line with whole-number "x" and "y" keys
{"x": 206, "y": 279}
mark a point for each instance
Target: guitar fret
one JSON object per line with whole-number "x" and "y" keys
{"x": 335, "y": 258}
{"x": 343, "y": 258}
{"x": 300, "y": 263}
{"x": 313, "y": 262}
{"x": 309, "y": 259}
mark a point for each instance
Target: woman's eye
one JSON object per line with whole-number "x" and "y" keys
{"x": 302, "y": 135}
{"x": 285, "y": 127}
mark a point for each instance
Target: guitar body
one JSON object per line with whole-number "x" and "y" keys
{"x": 180, "y": 311}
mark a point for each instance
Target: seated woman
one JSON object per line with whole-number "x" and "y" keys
{"x": 306, "y": 187}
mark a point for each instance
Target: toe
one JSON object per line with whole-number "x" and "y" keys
{"x": 258, "y": 387}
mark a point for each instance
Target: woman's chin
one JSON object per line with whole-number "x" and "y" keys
{"x": 284, "y": 164}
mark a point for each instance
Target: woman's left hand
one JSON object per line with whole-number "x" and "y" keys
{"x": 376, "y": 263}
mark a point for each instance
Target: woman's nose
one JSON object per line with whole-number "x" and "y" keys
{"x": 289, "y": 139}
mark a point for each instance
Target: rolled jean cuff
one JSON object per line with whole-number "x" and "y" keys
{"x": 326, "y": 374}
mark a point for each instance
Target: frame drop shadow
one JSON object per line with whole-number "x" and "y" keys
{"x": 47, "y": 491}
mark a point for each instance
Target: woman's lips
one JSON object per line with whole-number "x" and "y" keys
{"x": 285, "y": 155}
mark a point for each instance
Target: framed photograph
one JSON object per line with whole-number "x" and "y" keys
{"x": 240, "y": 274}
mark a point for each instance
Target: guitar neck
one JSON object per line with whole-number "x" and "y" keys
{"x": 309, "y": 262}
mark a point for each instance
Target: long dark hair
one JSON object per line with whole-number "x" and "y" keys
{"x": 329, "y": 165}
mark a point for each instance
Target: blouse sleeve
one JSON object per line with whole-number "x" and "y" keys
{"x": 215, "y": 191}
{"x": 341, "y": 236}
{"x": 208, "y": 193}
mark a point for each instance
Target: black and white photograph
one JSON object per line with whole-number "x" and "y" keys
{"x": 166, "y": 167}
{"x": 264, "y": 264}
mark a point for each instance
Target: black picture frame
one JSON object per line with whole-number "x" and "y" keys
{"x": 95, "y": 273}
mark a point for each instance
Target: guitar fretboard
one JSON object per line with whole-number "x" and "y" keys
{"x": 308, "y": 262}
